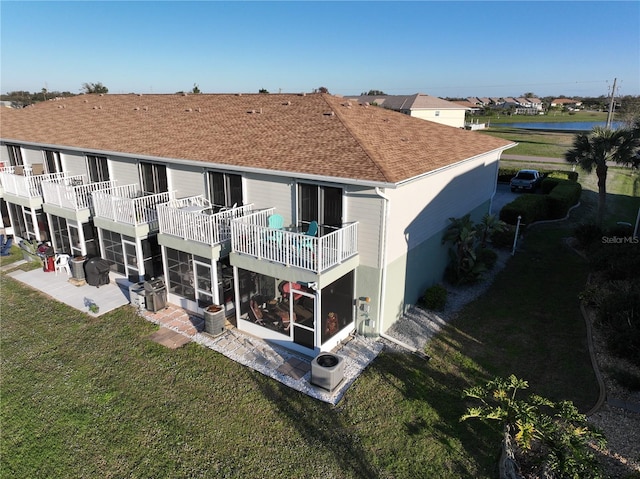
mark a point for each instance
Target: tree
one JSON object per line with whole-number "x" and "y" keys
{"x": 195, "y": 90}
{"x": 463, "y": 267}
{"x": 263, "y": 90}
{"x": 489, "y": 225}
{"x": 556, "y": 434}
{"x": 94, "y": 88}
{"x": 601, "y": 146}
{"x": 322, "y": 90}
{"x": 373, "y": 93}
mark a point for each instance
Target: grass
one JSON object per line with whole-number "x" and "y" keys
{"x": 93, "y": 397}
{"x": 551, "y": 117}
{"x": 533, "y": 143}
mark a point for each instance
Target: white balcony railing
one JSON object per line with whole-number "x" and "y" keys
{"x": 252, "y": 236}
{"x": 73, "y": 192}
{"x": 194, "y": 219}
{"x": 127, "y": 204}
{"x": 27, "y": 186}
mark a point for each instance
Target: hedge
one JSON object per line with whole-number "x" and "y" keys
{"x": 563, "y": 194}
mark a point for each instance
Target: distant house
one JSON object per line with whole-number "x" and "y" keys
{"x": 566, "y": 103}
{"x": 285, "y": 210}
{"x": 425, "y": 107}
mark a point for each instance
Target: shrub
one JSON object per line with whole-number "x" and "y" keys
{"x": 504, "y": 239}
{"x": 619, "y": 317}
{"x": 487, "y": 256}
{"x": 616, "y": 261}
{"x": 530, "y": 207}
{"x": 435, "y": 297}
{"x": 548, "y": 184}
{"x": 586, "y": 234}
{"x": 556, "y": 436}
{"x": 564, "y": 196}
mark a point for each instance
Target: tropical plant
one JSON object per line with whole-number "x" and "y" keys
{"x": 489, "y": 225}
{"x": 463, "y": 266}
{"x": 468, "y": 257}
{"x": 601, "y": 146}
{"x": 557, "y": 436}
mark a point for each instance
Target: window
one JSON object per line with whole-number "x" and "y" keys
{"x": 98, "y": 168}
{"x": 52, "y": 161}
{"x": 437, "y": 112}
{"x": 225, "y": 189}
{"x": 320, "y": 203}
{"x": 153, "y": 178}
{"x": 15, "y": 155}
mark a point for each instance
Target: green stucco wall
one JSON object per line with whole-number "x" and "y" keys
{"x": 408, "y": 276}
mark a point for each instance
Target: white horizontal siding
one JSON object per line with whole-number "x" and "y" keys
{"x": 367, "y": 208}
{"x": 271, "y": 192}
{"x": 73, "y": 163}
{"x": 422, "y": 208}
{"x": 32, "y": 156}
{"x": 186, "y": 181}
{"x": 124, "y": 170}
{"x": 4, "y": 155}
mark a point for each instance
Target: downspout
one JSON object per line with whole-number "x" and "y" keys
{"x": 383, "y": 278}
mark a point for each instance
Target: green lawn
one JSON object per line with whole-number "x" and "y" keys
{"x": 551, "y": 117}
{"x": 533, "y": 143}
{"x": 93, "y": 397}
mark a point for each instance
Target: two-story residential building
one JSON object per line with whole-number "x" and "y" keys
{"x": 306, "y": 216}
{"x": 420, "y": 105}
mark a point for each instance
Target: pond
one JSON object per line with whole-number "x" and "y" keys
{"x": 563, "y": 126}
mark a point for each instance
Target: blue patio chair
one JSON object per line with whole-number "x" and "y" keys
{"x": 312, "y": 230}
{"x": 275, "y": 222}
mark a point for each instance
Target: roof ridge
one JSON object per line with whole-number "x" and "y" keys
{"x": 368, "y": 151}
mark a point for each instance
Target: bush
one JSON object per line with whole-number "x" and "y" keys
{"x": 530, "y": 207}
{"x": 616, "y": 261}
{"x": 504, "y": 239}
{"x": 487, "y": 256}
{"x": 562, "y": 198}
{"x": 435, "y": 297}
{"x": 548, "y": 184}
{"x": 619, "y": 317}
{"x": 586, "y": 234}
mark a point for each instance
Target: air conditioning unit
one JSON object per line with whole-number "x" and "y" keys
{"x": 327, "y": 371}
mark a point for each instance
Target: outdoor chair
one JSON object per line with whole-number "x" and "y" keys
{"x": 62, "y": 263}
{"x": 276, "y": 223}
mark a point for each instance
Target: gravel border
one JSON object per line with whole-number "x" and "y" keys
{"x": 417, "y": 326}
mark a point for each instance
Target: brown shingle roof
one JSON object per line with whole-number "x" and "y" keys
{"x": 316, "y": 134}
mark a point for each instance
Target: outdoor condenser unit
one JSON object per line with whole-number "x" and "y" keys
{"x": 327, "y": 371}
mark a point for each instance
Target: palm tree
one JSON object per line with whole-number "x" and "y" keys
{"x": 596, "y": 149}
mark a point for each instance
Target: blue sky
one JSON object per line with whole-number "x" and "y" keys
{"x": 446, "y": 49}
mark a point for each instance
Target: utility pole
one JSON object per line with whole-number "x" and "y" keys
{"x": 611, "y": 103}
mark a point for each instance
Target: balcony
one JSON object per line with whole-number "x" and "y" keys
{"x": 127, "y": 210}
{"x": 71, "y": 196}
{"x": 22, "y": 187}
{"x": 195, "y": 225}
{"x": 308, "y": 256}
{"x": 5, "y": 169}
